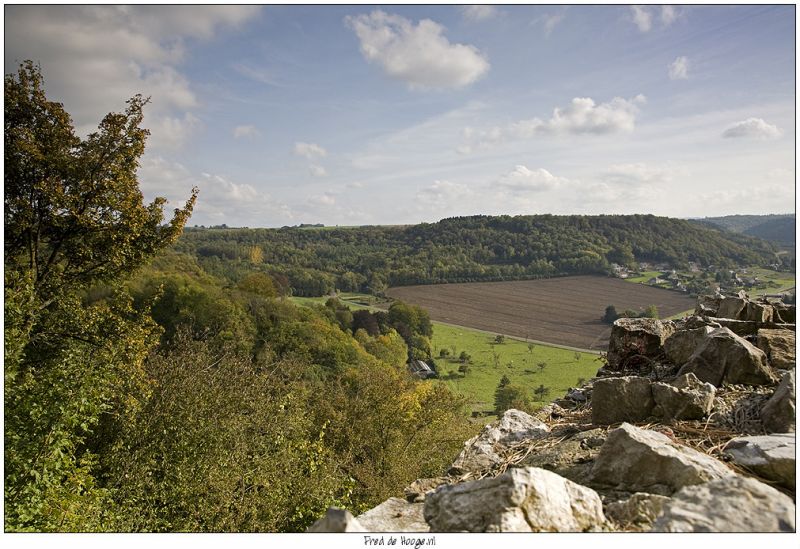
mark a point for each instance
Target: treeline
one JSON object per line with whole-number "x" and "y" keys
{"x": 466, "y": 249}
{"x": 144, "y": 394}
{"x": 777, "y": 228}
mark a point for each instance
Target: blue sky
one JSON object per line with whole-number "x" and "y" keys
{"x": 395, "y": 114}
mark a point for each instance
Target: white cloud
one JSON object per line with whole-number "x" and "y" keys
{"x": 317, "y": 171}
{"x": 245, "y": 131}
{"x": 443, "y": 194}
{"x": 642, "y": 18}
{"x": 417, "y": 54}
{"x": 524, "y": 179}
{"x": 679, "y": 69}
{"x": 668, "y": 15}
{"x": 309, "y": 150}
{"x": 220, "y": 200}
{"x": 581, "y": 116}
{"x": 478, "y": 12}
{"x": 635, "y": 174}
{"x": 96, "y": 57}
{"x": 170, "y": 132}
{"x": 325, "y": 199}
{"x": 753, "y": 127}
{"x": 550, "y": 22}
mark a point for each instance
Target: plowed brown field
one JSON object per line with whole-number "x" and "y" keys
{"x": 564, "y": 311}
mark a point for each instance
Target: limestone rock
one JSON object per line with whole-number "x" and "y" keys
{"x": 779, "y": 413}
{"x": 736, "y": 504}
{"x": 731, "y": 307}
{"x": 417, "y": 490}
{"x": 639, "y": 510}
{"x": 640, "y": 460}
{"x": 779, "y": 346}
{"x": 394, "y": 515}
{"x": 724, "y": 357}
{"x": 632, "y": 337}
{"x": 742, "y": 328}
{"x": 570, "y": 458}
{"x": 520, "y": 500}
{"x": 771, "y": 456}
{"x": 708, "y": 305}
{"x": 481, "y": 451}
{"x": 784, "y": 313}
{"x": 336, "y": 520}
{"x": 758, "y": 312}
{"x": 686, "y": 398}
{"x": 681, "y": 345}
{"x": 617, "y": 399}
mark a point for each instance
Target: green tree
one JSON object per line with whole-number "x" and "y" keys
{"x": 650, "y": 312}
{"x": 74, "y": 218}
{"x": 541, "y": 392}
{"x": 508, "y": 395}
{"x": 610, "y": 315}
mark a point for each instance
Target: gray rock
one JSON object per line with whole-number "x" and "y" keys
{"x": 681, "y": 345}
{"x": 708, "y": 305}
{"x": 780, "y": 347}
{"x": 742, "y": 328}
{"x": 617, "y": 399}
{"x": 336, "y": 520}
{"x": 724, "y": 357}
{"x": 394, "y": 515}
{"x": 638, "y": 511}
{"x": 520, "y": 500}
{"x": 570, "y": 458}
{"x": 758, "y": 312}
{"x": 736, "y": 504}
{"x": 686, "y": 398}
{"x": 632, "y": 337}
{"x": 771, "y": 456}
{"x": 779, "y": 414}
{"x": 639, "y": 460}
{"x": 482, "y": 451}
{"x": 731, "y": 307}
{"x": 417, "y": 490}
{"x": 784, "y": 313}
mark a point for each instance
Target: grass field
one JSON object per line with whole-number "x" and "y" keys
{"x": 643, "y": 277}
{"x": 563, "y": 368}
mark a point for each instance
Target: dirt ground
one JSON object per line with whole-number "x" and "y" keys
{"x": 564, "y": 311}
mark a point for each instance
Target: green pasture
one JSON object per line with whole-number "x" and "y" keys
{"x": 643, "y": 276}
{"x": 513, "y": 358}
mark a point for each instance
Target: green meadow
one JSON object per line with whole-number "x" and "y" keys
{"x": 517, "y": 359}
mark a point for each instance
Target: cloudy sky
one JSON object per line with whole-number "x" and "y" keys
{"x": 361, "y": 114}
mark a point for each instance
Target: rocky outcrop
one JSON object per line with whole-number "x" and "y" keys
{"x": 681, "y": 345}
{"x": 734, "y": 504}
{"x": 633, "y": 339}
{"x": 521, "y": 500}
{"x": 417, "y": 490}
{"x": 570, "y": 458}
{"x": 638, "y": 511}
{"x": 779, "y": 413}
{"x": 394, "y": 515}
{"x": 685, "y": 398}
{"x": 618, "y": 399}
{"x": 640, "y": 460}
{"x": 779, "y": 346}
{"x": 771, "y": 457}
{"x": 480, "y": 452}
{"x": 723, "y": 357}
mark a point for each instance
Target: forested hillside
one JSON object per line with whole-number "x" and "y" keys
{"x": 779, "y": 229}
{"x": 466, "y": 249}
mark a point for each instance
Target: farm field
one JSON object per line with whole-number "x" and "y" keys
{"x": 564, "y": 311}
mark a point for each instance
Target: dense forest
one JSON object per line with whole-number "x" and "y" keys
{"x": 779, "y": 229}
{"x": 314, "y": 261}
{"x": 144, "y": 394}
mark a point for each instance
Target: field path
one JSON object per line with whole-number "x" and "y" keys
{"x": 564, "y": 311}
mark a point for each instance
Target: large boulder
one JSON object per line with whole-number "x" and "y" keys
{"x": 724, "y": 357}
{"x": 685, "y": 398}
{"x": 483, "y": 451}
{"x": 636, "y": 337}
{"x": 394, "y": 515}
{"x": 742, "y": 328}
{"x": 780, "y": 347}
{"x": 520, "y": 500}
{"x": 708, "y": 305}
{"x": 640, "y": 460}
{"x": 336, "y": 520}
{"x": 681, "y": 345}
{"x": 732, "y": 307}
{"x": 784, "y": 313}
{"x": 779, "y": 413}
{"x": 617, "y": 399}
{"x": 770, "y": 456}
{"x": 758, "y": 312}
{"x": 736, "y": 504}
